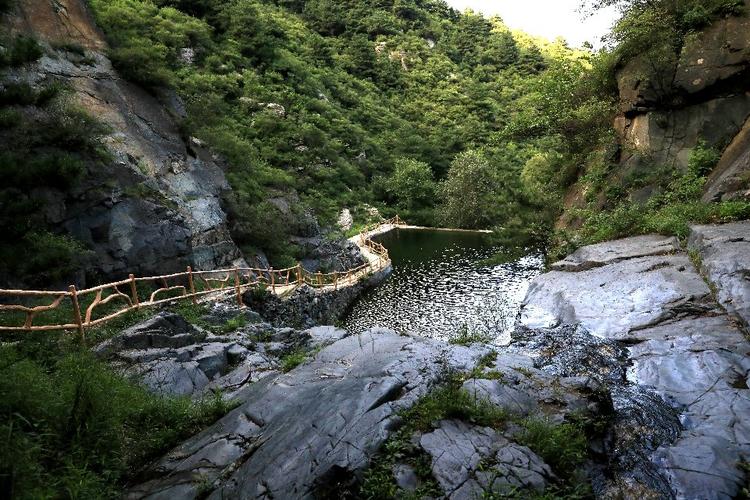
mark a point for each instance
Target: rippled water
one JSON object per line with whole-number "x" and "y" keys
{"x": 441, "y": 284}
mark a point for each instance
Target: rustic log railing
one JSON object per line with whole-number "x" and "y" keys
{"x": 131, "y": 293}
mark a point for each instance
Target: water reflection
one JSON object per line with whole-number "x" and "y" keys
{"x": 440, "y": 284}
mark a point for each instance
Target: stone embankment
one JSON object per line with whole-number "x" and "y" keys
{"x": 628, "y": 337}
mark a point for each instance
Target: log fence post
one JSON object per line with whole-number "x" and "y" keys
{"x": 77, "y": 313}
{"x": 134, "y": 292}
{"x": 237, "y": 287}
{"x": 191, "y": 284}
{"x": 273, "y": 281}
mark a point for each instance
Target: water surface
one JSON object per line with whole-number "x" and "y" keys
{"x": 442, "y": 283}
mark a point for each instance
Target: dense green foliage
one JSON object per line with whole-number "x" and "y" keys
{"x": 351, "y": 102}
{"x": 72, "y": 428}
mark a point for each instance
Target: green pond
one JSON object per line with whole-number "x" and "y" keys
{"x": 443, "y": 283}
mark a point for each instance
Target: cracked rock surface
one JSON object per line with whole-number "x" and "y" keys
{"x": 301, "y": 430}
{"x": 171, "y": 356}
{"x": 458, "y": 448}
{"x": 680, "y": 345}
{"x": 724, "y": 252}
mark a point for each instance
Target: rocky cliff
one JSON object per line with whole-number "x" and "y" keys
{"x": 668, "y": 106}
{"x": 155, "y": 205}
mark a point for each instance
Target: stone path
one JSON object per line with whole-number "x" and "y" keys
{"x": 682, "y": 344}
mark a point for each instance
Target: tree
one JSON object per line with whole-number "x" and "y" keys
{"x": 411, "y": 183}
{"x": 468, "y": 194}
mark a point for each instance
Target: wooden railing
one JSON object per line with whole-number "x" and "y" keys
{"x": 80, "y": 307}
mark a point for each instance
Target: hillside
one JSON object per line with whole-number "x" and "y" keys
{"x": 248, "y": 125}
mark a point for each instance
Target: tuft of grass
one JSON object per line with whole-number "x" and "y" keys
{"x": 563, "y": 447}
{"x": 292, "y": 360}
{"x": 21, "y": 50}
{"x": 467, "y": 336}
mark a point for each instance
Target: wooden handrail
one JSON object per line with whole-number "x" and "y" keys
{"x": 215, "y": 283}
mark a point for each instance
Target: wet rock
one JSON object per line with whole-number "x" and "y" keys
{"x": 285, "y": 441}
{"x": 725, "y": 258}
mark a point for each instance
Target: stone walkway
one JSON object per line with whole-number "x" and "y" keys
{"x": 682, "y": 343}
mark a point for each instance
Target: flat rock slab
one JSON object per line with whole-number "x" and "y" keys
{"x": 302, "y": 430}
{"x": 609, "y": 252}
{"x": 613, "y": 300}
{"x": 725, "y": 259}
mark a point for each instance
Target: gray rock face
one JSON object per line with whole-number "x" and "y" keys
{"x": 725, "y": 258}
{"x": 171, "y": 356}
{"x": 297, "y": 432}
{"x": 613, "y": 300}
{"x": 680, "y": 346}
{"x": 601, "y": 254}
{"x": 156, "y": 207}
{"x": 457, "y": 449}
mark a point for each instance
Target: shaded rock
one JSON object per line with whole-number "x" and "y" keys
{"x": 286, "y": 442}
{"x": 307, "y": 306}
{"x": 406, "y": 477}
{"x": 729, "y": 179}
{"x": 715, "y": 55}
{"x": 725, "y": 258}
{"x": 163, "y": 330}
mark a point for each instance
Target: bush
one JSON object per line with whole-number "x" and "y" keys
{"x": 73, "y": 428}
{"x": 21, "y": 50}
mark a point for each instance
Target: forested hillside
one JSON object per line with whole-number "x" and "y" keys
{"x": 407, "y": 104}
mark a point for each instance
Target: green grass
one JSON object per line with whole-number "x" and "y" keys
{"x": 671, "y": 212}
{"x": 292, "y": 360}
{"x": 72, "y": 428}
{"x": 467, "y": 336}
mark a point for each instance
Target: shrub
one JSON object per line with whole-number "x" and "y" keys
{"x": 562, "y": 446}
{"x": 467, "y": 336}
{"x": 73, "y": 428}
{"x": 22, "y": 49}
{"x": 9, "y": 118}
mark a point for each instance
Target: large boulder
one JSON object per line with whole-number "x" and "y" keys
{"x": 457, "y": 449}
{"x": 714, "y": 56}
{"x": 613, "y": 300}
